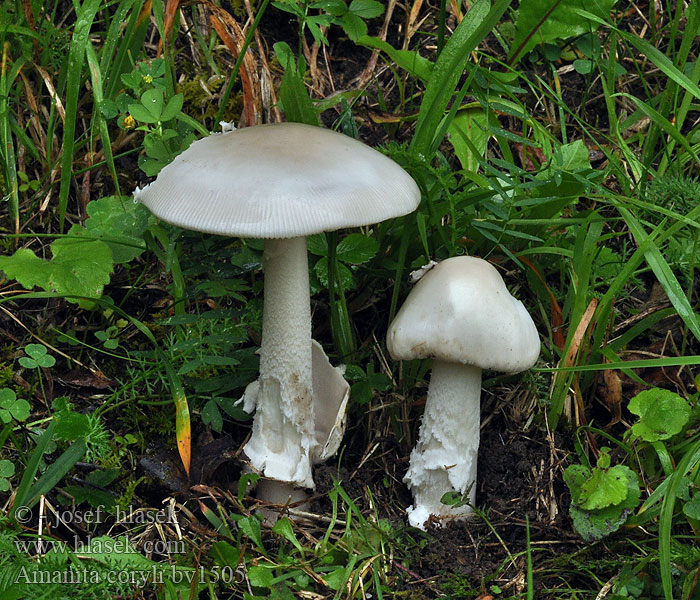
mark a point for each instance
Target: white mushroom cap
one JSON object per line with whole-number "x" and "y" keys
{"x": 279, "y": 181}
{"x": 461, "y": 311}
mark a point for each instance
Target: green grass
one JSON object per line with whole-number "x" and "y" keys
{"x": 571, "y": 164}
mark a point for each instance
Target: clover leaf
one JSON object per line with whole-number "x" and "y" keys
{"x": 37, "y": 356}
{"x": 12, "y": 407}
{"x": 7, "y": 470}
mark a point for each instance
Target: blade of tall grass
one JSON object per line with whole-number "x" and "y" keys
{"x": 654, "y": 239}
{"x": 640, "y": 167}
{"x": 55, "y": 472}
{"x": 650, "y": 207}
{"x": 647, "y": 363}
{"x": 664, "y": 274}
{"x": 664, "y": 124}
{"x": 7, "y": 151}
{"x": 631, "y": 162}
{"x": 530, "y": 578}
{"x": 475, "y": 26}
{"x": 205, "y": 45}
{"x": 644, "y": 325}
{"x": 579, "y": 309}
{"x": 667, "y": 103}
{"x": 239, "y": 61}
{"x": 158, "y": 8}
{"x": 115, "y": 34}
{"x": 689, "y": 461}
{"x": 655, "y": 55}
{"x": 97, "y": 90}
{"x": 680, "y": 118}
{"x": 23, "y": 139}
{"x": 406, "y": 236}
{"x": 85, "y": 15}
{"x": 441, "y": 26}
{"x": 130, "y": 48}
{"x": 341, "y": 327}
{"x": 22, "y": 493}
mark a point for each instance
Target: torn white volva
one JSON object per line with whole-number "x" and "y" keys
{"x": 329, "y": 398}
{"x": 330, "y": 402}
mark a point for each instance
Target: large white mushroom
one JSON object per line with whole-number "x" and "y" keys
{"x": 461, "y": 315}
{"x": 282, "y": 182}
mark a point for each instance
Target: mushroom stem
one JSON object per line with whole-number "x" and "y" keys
{"x": 283, "y": 438}
{"x": 445, "y": 456}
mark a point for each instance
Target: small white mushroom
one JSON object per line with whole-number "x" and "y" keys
{"x": 282, "y": 182}
{"x": 462, "y": 316}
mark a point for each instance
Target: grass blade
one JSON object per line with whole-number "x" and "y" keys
{"x": 686, "y": 464}
{"x": 8, "y": 148}
{"x": 115, "y": 34}
{"x": 76, "y": 57}
{"x": 56, "y": 472}
{"x": 97, "y": 90}
{"x": 32, "y": 467}
{"x": 239, "y": 60}
{"x": 664, "y": 124}
{"x": 475, "y": 26}
{"x": 132, "y": 39}
{"x": 664, "y": 274}
{"x": 652, "y": 53}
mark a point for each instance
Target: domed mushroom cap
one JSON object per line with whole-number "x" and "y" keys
{"x": 279, "y": 180}
{"x": 461, "y": 311}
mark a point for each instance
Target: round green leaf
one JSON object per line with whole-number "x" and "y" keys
{"x": 152, "y": 101}
{"x": 7, "y": 469}
{"x": 46, "y": 361}
{"x": 173, "y": 107}
{"x": 583, "y": 66}
{"x": 141, "y": 114}
{"x": 662, "y": 414}
{"x": 7, "y": 397}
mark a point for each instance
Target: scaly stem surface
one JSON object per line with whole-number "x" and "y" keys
{"x": 444, "y": 459}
